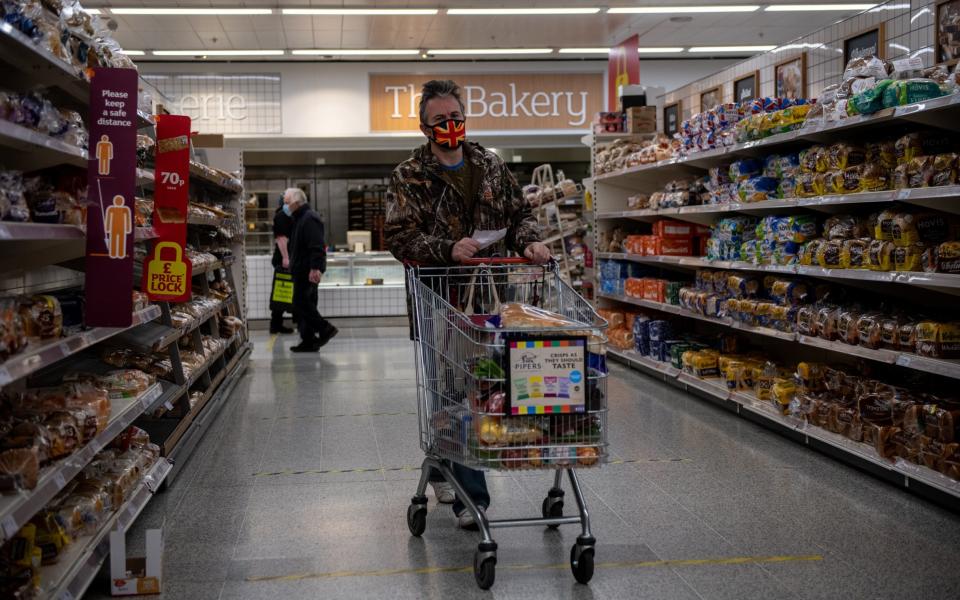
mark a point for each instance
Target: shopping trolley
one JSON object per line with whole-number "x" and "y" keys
{"x": 500, "y": 392}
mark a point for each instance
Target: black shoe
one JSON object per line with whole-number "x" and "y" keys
{"x": 305, "y": 347}
{"x": 327, "y": 335}
{"x": 281, "y": 329}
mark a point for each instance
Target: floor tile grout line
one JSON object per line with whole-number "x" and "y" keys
{"x": 640, "y": 537}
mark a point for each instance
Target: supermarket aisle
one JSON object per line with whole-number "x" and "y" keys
{"x": 704, "y": 506}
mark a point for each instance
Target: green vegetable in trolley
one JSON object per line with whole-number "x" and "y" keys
{"x": 488, "y": 369}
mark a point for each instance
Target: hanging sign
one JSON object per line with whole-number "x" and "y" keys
{"x": 623, "y": 68}
{"x": 111, "y": 180}
{"x": 167, "y": 273}
{"x": 547, "y": 376}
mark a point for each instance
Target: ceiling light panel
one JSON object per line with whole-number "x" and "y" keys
{"x": 192, "y": 11}
{"x": 584, "y": 51}
{"x": 523, "y": 11}
{"x": 132, "y": 52}
{"x": 472, "y": 51}
{"x": 664, "y": 10}
{"x": 700, "y": 49}
{"x": 359, "y": 12}
{"x": 817, "y": 7}
{"x": 351, "y": 52}
{"x": 218, "y": 52}
{"x": 649, "y": 50}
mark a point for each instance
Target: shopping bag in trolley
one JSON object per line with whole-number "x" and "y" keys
{"x": 482, "y": 302}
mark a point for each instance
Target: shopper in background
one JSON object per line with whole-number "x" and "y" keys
{"x": 448, "y": 189}
{"x": 308, "y": 261}
{"x": 282, "y": 229}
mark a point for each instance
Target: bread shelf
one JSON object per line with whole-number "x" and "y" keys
{"x": 43, "y": 354}
{"x": 79, "y": 564}
{"x": 17, "y": 509}
{"x": 199, "y": 174}
{"x": 905, "y": 473}
{"x": 945, "y": 368}
{"x": 946, "y": 109}
{"x": 145, "y": 177}
{"x": 942, "y": 281}
{"x": 936, "y": 198}
{"x": 564, "y": 234}
{"x": 37, "y": 68}
{"x": 20, "y": 232}
{"x": 26, "y": 149}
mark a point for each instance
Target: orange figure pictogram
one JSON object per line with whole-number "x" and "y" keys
{"x": 104, "y": 154}
{"x": 117, "y": 225}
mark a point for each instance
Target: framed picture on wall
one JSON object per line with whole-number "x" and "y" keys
{"x": 710, "y": 98}
{"x": 948, "y": 32}
{"x": 866, "y": 43}
{"x": 747, "y": 87}
{"x": 790, "y": 77}
{"x": 671, "y": 118}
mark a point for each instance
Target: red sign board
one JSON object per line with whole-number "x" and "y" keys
{"x": 623, "y": 68}
{"x": 111, "y": 177}
{"x": 167, "y": 273}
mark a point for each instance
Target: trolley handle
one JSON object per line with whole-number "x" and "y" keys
{"x": 496, "y": 260}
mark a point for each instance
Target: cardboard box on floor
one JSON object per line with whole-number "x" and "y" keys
{"x": 138, "y": 575}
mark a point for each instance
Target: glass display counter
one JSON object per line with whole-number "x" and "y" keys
{"x": 357, "y": 269}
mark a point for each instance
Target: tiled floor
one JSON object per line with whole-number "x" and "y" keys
{"x": 746, "y": 514}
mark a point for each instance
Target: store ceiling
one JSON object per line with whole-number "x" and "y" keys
{"x": 427, "y": 32}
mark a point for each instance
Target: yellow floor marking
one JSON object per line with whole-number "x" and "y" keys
{"x": 271, "y": 342}
{"x": 647, "y": 564}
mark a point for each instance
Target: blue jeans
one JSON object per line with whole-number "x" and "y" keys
{"x": 473, "y": 482}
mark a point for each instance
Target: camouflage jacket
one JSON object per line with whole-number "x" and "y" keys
{"x": 428, "y": 215}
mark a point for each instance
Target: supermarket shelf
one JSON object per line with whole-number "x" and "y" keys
{"x": 939, "y": 111}
{"x": 37, "y": 68}
{"x": 208, "y": 268}
{"x": 153, "y": 336}
{"x": 16, "y": 510}
{"x": 145, "y": 177}
{"x": 936, "y": 198}
{"x": 144, "y": 120}
{"x": 906, "y": 474}
{"x": 945, "y": 368}
{"x": 145, "y": 233}
{"x": 20, "y": 232}
{"x": 211, "y": 221}
{"x": 564, "y": 234}
{"x": 26, "y": 149}
{"x": 942, "y": 281}
{"x": 80, "y": 563}
{"x": 37, "y": 357}
{"x": 191, "y": 429}
{"x": 226, "y": 185}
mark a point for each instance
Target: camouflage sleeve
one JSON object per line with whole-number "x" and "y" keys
{"x": 404, "y": 225}
{"x": 524, "y": 228}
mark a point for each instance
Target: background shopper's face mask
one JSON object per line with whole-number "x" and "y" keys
{"x": 449, "y": 134}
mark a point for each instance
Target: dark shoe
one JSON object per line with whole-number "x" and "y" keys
{"x": 327, "y": 335}
{"x": 305, "y": 347}
{"x": 281, "y": 329}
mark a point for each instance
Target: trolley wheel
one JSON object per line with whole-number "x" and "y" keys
{"x": 581, "y": 563}
{"x": 417, "y": 519}
{"x": 484, "y": 570}
{"x": 552, "y": 508}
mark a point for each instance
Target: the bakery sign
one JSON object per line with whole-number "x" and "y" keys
{"x": 518, "y": 101}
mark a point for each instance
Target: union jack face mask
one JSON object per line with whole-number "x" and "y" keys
{"x": 450, "y": 133}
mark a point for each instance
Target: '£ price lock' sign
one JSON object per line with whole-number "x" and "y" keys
{"x": 167, "y": 276}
